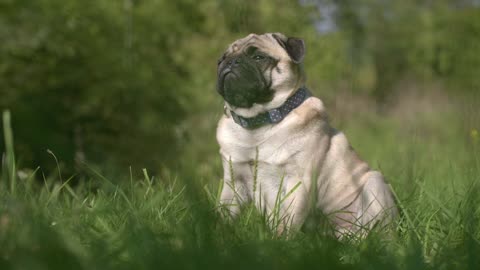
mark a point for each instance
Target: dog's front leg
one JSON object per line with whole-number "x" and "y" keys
{"x": 293, "y": 205}
{"x": 229, "y": 202}
{"x": 233, "y": 191}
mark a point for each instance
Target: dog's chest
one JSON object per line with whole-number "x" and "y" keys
{"x": 275, "y": 147}
{"x": 266, "y": 156}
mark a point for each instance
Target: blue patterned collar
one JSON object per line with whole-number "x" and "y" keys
{"x": 273, "y": 116}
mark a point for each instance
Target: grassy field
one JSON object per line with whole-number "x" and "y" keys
{"x": 431, "y": 158}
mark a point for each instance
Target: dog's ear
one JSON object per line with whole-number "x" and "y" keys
{"x": 295, "y": 47}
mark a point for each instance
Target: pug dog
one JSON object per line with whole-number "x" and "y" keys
{"x": 278, "y": 149}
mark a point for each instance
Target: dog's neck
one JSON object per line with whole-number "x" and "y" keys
{"x": 275, "y": 115}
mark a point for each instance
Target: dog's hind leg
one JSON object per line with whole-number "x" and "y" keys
{"x": 373, "y": 206}
{"x": 376, "y": 206}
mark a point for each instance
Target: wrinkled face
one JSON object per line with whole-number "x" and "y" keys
{"x": 255, "y": 68}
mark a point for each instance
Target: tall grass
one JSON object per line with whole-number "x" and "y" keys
{"x": 170, "y": 221}
{"x": 8, "y": 160}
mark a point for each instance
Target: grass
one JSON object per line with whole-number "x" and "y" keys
{"x": 170, "y": 221}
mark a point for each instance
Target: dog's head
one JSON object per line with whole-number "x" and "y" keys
{"x": 260, "y": 71}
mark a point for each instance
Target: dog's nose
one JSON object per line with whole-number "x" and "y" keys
{"x": 233, "y": 62}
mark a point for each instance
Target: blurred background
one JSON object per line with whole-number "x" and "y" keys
{"x": 120, "y": 83}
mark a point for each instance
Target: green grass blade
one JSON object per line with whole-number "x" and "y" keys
{"x": 9, "y": 151}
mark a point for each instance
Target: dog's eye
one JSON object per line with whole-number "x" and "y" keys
{"x": 258, "y": 57}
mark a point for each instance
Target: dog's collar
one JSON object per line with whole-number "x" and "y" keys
{"x": 273, "y": 116}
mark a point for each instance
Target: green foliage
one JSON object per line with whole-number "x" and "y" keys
{"x": 145, "y": 222}
{"x": 398, "y": 40}
{"x": 88, "y": 79}
{"x": 458, "y": 46}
